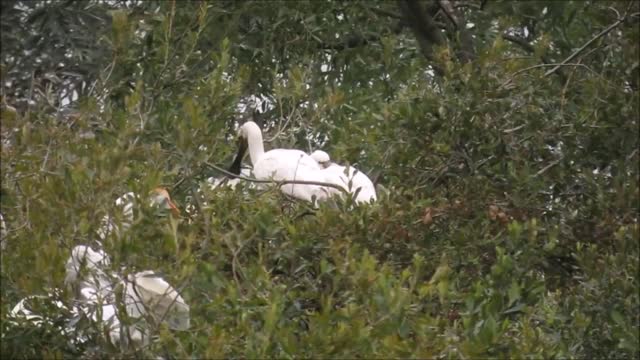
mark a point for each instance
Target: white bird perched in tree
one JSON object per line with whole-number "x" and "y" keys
{"x": 87, "y": 272}
{"x": 97, "y": 290}
{"x": 92, "y": 305}
{"x": 144, "y": 294}
{"x": 339, "y": 175}
{"x": 148, "y": 293}
{"x": 23, "y": 307}
{"x": 87, "y": 269}
{"x": 24, "y": 312}
{"x": 46, "y": 311}
{"x": 159, "y": 197}
{"x": 280, "y": 164}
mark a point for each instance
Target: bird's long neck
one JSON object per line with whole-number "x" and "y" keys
{"x": 256, "y": 147}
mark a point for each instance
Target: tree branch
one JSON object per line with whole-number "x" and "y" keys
{"x": 448, "y": 10}
{"x": 510, "y": 80}
{"x": 467, "y": 5}
{"x": 354, "y": 41}
{"x": 382, "y": 12}
{"x": 525, "y": 45}
{"x": 466, "y": 52}
{"x": 581, "y": 49}
{"x": 544, "y": 169}
{"x": 423, "y": 26}
{"x": 278, "y": 183}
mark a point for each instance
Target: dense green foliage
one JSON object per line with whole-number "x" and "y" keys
{"x": 507, "y": 219}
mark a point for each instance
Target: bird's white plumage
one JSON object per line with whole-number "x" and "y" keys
{"x": 86, "y": 268}
{"x": 118, "y": 225}
{"x": 351, "y": 179}
{"x": 320, "y": 157}
{"x": 89, "y": 273}
{"x": 24, "y": 313}
{"x": 109, "y": 225}
{"x": 92, "y": 306}
{"x": 147, "y": 293}
{"x": 214, "y": 182}
{"x": 143, "y": 293}
{"x": 23, "y": 308}
{"x": 282, "y": 164}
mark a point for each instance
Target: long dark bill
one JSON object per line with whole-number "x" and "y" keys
{"x": 237, "y": 162}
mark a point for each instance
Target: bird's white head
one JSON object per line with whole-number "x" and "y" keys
{"x": 249, "y": 136}
{"x": 160, "y": 197}
{"x": 321, "y": 158}
{"x": 248, "y": 129}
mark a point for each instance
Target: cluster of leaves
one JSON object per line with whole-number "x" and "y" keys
{"x": 507, "y": 223}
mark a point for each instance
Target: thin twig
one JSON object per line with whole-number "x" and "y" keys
{"x": 382, "y": 12}
{"x": 277, "y": 182}
{"x": 544, "y": 169}
{"x": 508, "y": 131}
{"x": 448, "y": 10}
{"x": 614, "y": 10}
{"x": 234, "y": 262}
{"x": 167, "y": 35}
{"x": 46, "y": 157}
{"x": 581, "y": 49}
{"x": 110, "y": 67}
{"x": 540, "y": 66}
{"x": 563, "y": 99}
{"x": 523, "y": 43}
{"x": 281, "y": 127}
{"x": 468, "y": 5}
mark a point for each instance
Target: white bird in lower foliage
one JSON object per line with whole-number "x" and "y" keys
{"x": 26, "y": 313}
{"x": 39, "y": 311}
{"x": 92, "y": 305}
{"x": 88, "y": 272}
{"x": 340, "y": 175}
{"x": 143, "y": 293}
{"x": 280, "y": 164}
{"x": 87, "y": 269}
{"x": 159, "y": 197}
{"x": 23, "y": 307}
{"x": 148, "y": 293}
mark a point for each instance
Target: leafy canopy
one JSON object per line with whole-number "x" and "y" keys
{"x": 504, "y": 133}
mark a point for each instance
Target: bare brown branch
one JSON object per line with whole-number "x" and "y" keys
{"x": 525, "y": 45}
{"x": 466, "y": 52}
{"x": 424, "y": 28}
{"x": 581, "y": 49}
